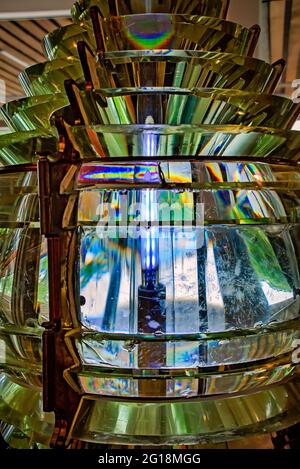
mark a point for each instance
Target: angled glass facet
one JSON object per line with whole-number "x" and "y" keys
{"x": 177, "y": 106}
{"x": 224, "y": 201}
{"x": 25, "y": 147}
{"x": 157, "y": 68}
{"x": 62, "y": 42}
{"x": 49, "y": 77}
{"x": 21, "y": 406}
{"x": 32, "y": 113}
{"x": 23, "y": 253}
{"x": 21, "y": 355}
{"x": 163, "y": 31}
{"x": 217, "y": 8}
{"x": 23, "y": 276}
{"x": 171, "y": 32}
{"x": 186, "y": 421}
{"x": 205, "y": 141}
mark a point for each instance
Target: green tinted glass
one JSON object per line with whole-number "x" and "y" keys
{"x": 25, "y": 147}
{"x": 177, "y": 106}
{"x": 49, "y": 77}
{"x": 205, "y": 141}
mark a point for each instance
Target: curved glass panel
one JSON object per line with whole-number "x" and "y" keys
{"x": 23, "y": 277}
{"x": 208, "y": 175}
{"x": 244, "y": 380}
{"x": 186, "y": 356}
{"x": 186, "y": 267}
{"x": 213, "y": 141}
{"x": 62, "y": 42}
{"x": 21, "y": 355}
{"x": 169, "y": 198}
{"x": 177, "y": 106}
{"x": 185, "y": 249}
{"x": 172, "y": 32}
{"x": 23, "y": 253}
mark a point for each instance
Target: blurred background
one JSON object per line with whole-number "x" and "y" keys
{"x": 23, "y": 25}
